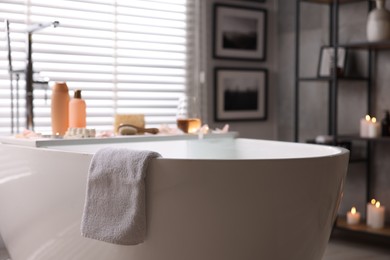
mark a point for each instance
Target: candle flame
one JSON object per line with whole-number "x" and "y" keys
{"x": 377, "y": 204}
{"x": 368, "y": 118}
{"x": 373, "y": 120}
{"x": 373, "y": 201}
{"x": 353, "y": 210}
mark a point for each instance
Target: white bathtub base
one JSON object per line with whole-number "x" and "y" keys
{"x": 196, "y": 209}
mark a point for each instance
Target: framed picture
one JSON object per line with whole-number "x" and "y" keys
{"x": 239, "y": 32}
{"x": 240, "y": 94}
{"x": 326, "y": 61}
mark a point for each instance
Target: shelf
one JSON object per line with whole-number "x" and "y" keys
{"x": 332, "y": 1}
{"x": 330, "y": 79}
{"x": 341, "y": 223}
{"x": 357, "y": 160}
{"x": 358, "y": 138}
{"x": 382, "y": 45}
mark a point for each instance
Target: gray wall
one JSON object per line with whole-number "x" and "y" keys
{"x": 260, "y": 129}
{"x": 352, "y": 97}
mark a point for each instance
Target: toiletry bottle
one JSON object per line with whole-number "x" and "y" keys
{"x": 59, "y": 108}
{"x": 386, "y": 124}
{"x": 77, "y": 111}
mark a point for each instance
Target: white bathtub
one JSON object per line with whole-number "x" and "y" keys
{"x": 217, "y": 199}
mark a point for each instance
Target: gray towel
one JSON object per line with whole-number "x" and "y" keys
{"x": 114, "y": 209}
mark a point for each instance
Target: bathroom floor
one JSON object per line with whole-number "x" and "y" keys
{"x": 337, "y": 250}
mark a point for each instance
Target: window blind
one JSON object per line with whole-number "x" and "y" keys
{"x": 126, "y": 56}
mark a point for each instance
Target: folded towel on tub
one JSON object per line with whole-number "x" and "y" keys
{"x": 114, "y": 209}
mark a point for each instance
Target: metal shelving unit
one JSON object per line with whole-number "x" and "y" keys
{"x": 332, "y": 83}
{"x": 333, "y": 80}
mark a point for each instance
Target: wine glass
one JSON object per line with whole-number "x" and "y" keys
{"x": 188, "y": 114}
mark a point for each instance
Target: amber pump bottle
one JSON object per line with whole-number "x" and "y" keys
{"x": 77, "y": 111}
{"x": 59, "y": 108}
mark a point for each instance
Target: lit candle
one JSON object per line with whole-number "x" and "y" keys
{"x": 364, "y": 125}
{"x": 373, "y": 128}
{"x": 378, "y": 216}
{"x": 353, "y": 217}
{"x": 370, "y": 208}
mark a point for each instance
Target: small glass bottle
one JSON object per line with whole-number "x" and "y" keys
{"x": 385, "y": 123}
{"x": 77, "y": 111}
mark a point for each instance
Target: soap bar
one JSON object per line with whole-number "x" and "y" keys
{"x": 131, "y": 119}
{"x": 75, "y": 133}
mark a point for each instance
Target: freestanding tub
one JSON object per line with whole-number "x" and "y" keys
{"x": 216, "y": 199}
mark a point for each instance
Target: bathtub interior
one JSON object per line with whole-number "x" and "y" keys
{"x": 217, "y": 149}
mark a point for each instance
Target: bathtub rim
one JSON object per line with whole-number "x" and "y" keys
{"x": 48, "y": 142}
{"x": 338, "y": 151}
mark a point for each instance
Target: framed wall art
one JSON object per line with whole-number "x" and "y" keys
{"x": 240, "y": 94}
{"x": 239, "y": 32}
{"x": 326, "y": 61}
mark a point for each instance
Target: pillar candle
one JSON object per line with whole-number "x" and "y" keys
{"x": 364, "y": 124}
{"x": 378, "y": 216}
{"x": 370, "y": 208}
{"x": 353, "y": 217}
{"x": 374, "y": 129}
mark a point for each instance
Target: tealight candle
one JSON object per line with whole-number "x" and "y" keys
{"x": 364, "y": 125}
{"x": 370, "y": 208}
{"x": 353, "y": 217}
{"x": 378, "y": 216}
{"x": 373, "y": 128}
